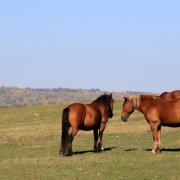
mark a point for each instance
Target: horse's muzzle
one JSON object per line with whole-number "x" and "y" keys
{"x": 124, "y": 118}
{"x": 110, "y": 115}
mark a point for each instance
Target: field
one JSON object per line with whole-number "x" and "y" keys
{"x": 30, "y": 140}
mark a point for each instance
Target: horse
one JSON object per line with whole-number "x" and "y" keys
{"x": 78, "y": 116}
{"x": 156, "y": 111}
{"x": 167, "y": 96}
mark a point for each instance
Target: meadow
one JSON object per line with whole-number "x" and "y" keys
{"x": 30, "y": 140}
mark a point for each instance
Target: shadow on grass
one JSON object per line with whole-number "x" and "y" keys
{"x": 171, "y": 149}
{"x": 133, "y": 149}
{"x": 162, "y": 150}
{"x": 166, "y": 150}
{"x": 92, "y": 151}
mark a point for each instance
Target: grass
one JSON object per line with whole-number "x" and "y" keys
{"x": 30, "y": 140}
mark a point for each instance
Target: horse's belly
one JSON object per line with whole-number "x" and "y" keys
{"x": 88, "y": 127}
{"x": 171, "y": 121}
{"x": 171, "y": 124}
{"x": 84, "y": 128}
{"x": 91, "y": 121}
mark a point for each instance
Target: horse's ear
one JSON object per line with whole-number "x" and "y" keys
{"x": 111, "y": 95}
{"x": 125, "y": 98}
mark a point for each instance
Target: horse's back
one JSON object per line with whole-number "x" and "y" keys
{"x": 167, "y": 96}
{"x": 76, "y": 106}
{"x": 176, "y": 94}
{"x": 84, "y": 116}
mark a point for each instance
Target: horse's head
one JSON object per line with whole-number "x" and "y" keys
{"x": 128, "y": 107}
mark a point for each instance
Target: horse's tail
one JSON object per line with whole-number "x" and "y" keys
{"x": 65, "y": 133}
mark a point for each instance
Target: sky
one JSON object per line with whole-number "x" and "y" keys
{"x": 116, "y": 45}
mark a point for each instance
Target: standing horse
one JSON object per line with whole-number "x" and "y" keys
{"x": 86, "y": 117}
{"x": 167, "y": 96}
{"x": 156, "y": 111}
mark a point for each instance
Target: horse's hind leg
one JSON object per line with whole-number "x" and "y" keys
{"x": 72, "y": 134}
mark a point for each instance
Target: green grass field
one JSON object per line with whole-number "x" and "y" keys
{"x": 30, "y": 140}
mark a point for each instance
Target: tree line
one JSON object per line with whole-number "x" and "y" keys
{"x": 14, "y": 96}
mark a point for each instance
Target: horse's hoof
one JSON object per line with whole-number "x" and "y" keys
{"x": 67, "y": 154}
{"x": 153, "y": 151}
{"x": 95, "y": 149}
{"x": 102, "y": 149}
{"x": 156, "y": 151}
{"x": 98, "y": 150}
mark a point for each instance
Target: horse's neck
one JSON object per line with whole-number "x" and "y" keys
{"x": 97, "y": 104}
{"x": 101, "y": 106}
{"x": 145, "y": 103}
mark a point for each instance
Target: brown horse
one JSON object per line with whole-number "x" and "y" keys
{"x": 167, "y": 96}
{"x": 156, "y": 111}
{"x": 86, "y": 117}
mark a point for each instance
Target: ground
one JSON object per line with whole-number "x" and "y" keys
{"x": 30, "y": 140}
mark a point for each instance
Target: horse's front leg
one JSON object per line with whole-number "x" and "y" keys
{"x": 156, "y": 128}
{"x": 95, "y": 140}
{"x": 101, "y": 130}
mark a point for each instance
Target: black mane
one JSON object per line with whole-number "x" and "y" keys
{"x": 106, "y": 100}
{"x": 102, "y": 99}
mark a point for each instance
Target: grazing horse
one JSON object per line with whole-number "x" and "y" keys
{"x": 93, "y": 116}
{"x": 167, "y": 96}
{"x": 156, "y": 111}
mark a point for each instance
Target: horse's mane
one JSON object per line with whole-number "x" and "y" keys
{"x": 163, "y": 94}
{"x": 135, "y": 99}
{"x": 102, "y": 99}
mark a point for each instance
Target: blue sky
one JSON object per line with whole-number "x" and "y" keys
{"x": 111, "y": 45}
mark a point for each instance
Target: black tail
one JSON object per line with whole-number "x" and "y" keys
{"x": 64, "y": 150}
